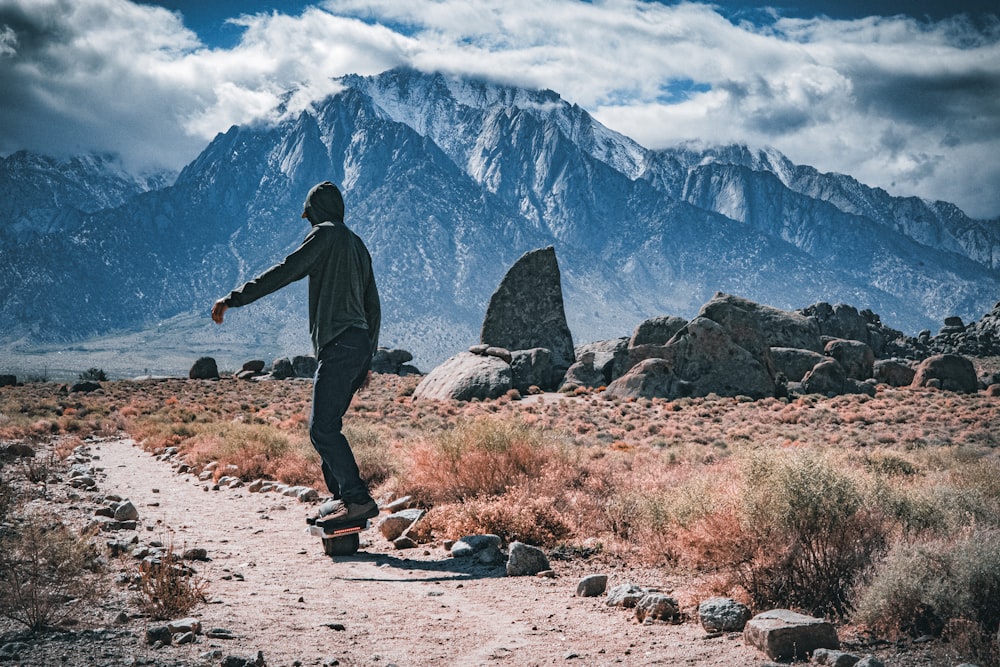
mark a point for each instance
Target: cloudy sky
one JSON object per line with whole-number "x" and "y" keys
{"x": 902, "y": 94}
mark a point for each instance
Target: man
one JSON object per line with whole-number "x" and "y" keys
{"x": 344, "y": 320}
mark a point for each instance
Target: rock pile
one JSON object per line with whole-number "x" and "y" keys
{"x": 979, "y": 339}
{"x": 525, "y": 344}
{"x": 733, "y": 347}
{"x": 385, "y": 360}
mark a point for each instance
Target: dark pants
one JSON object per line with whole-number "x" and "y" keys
{"x": 343, "y": 366}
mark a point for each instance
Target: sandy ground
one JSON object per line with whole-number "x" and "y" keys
{"x": 272, "y": 586}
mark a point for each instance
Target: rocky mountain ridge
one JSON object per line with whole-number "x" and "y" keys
{"x": 449, "y": 180}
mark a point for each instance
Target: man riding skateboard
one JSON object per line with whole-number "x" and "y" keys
{"x": 344, "y": 320}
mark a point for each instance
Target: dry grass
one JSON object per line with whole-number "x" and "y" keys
{"x": 167, "y": 589}
{"x": 46, "y": 572}
{"x": 774, "y": 501}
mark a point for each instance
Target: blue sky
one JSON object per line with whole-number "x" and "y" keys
{"x": 904, "y": 95}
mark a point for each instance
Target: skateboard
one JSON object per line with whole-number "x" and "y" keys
{"x": 339, "y": 539}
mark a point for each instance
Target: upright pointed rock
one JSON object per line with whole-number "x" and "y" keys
{"x": 526, "y": 311}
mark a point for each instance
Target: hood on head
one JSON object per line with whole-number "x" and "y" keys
{"x": 324, "y": 203}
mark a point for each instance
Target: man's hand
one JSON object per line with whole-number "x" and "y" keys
{"x": 219, "y": 311}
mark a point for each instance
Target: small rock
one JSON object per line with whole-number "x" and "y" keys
{"x": 185, "y": 625}
{"x": 220, "y": 633}
{"x": 592, "y": 586}
{"x": 397, "y": 523}
{"x": 723, "y": 615}
{"x": 83, "y": 482}
{"x": 158, "y": 633}
{"x": 470, "y": 544}
{"x": 625, "y": 595}
{"x": 490, "y": 556}
{"x": 195, "y": 553}
{"x": 398, "y": 504}
{"x": 404, "y": 542}
{"x": 656, "y": 607}
{"x": 126, "y": 511}
{"x": 525, "y": 560}
{"x": 871, "y": 661}
{"x": 832, "y": 658}
{"x": 185, "y": 638}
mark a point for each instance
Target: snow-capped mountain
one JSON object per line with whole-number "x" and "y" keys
{"x": 449, "y": 181}
{"x": 40, "y": 195}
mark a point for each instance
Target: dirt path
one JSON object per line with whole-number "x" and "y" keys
{"x": 272, "y": 585}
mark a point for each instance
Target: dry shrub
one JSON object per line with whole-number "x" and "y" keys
{"x": 9, "y": 498}
{"x": 955, "y": 490}
{"x": 535, "y": 520}
{"x": 256, "y": 449}
{"x": 920, "y": 588}
{"x": 167, "y": 587}
{"x": 299, "y": 467}
{"x": 799, "y": 532}
{"x": 970, "y": 641}
{"x": 480, "y": 457}
{"x": 46, "y": 572}
{"x": 645, "y": 497}
{"x": 372, "y": 452}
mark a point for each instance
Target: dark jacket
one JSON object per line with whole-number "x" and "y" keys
{"x": 342, "y": 290}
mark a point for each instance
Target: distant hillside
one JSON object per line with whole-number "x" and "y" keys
{"x": 449, "y": 181}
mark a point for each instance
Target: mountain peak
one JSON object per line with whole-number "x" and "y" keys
{"x": 449, "y": 180}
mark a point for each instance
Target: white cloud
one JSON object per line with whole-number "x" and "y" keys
{"x": 913, "y": 107}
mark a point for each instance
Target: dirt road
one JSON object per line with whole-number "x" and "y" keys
{"x": 272, "y": 586}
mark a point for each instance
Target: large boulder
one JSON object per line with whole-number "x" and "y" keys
{"x": 282, "y": 369}
{"x": 650, "y": 378}
{"x": 844, "y": 321}
{"x": 610, "y": 357}
{"x": 838, "y": 321}
{"x": 952, "y": 372}
{"x": 857, "y": 358}
{"x": 304, "y": 365}
{"x": 705, "y": 354}
{"x": 893, "y": 372}
{"x": 656, "y": 330}
{"x": 526, "y": 311}
{"x": 204, "y": 368}
{"x": 827, "y": 378}
{"x": 390, "y": 361}
{"x": 756, "y": 327}
{"x": 532, "y": 368}
{"x": 466, "y": 376}
{"x": 584, "y": 373}
{"x": 783, "y": 634}
{"x": 793, "y": 362}
{"x": 254, "y": 366}
{"x": 702, "y": 358}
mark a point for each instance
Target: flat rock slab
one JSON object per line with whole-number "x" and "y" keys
{"x": 782, "y": 634}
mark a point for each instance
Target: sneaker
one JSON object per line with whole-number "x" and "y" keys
{"x": 326, "y": 509}
{"x": 348, "y": 512}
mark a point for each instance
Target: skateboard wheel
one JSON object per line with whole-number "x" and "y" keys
{"x": 341, "y": 546}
